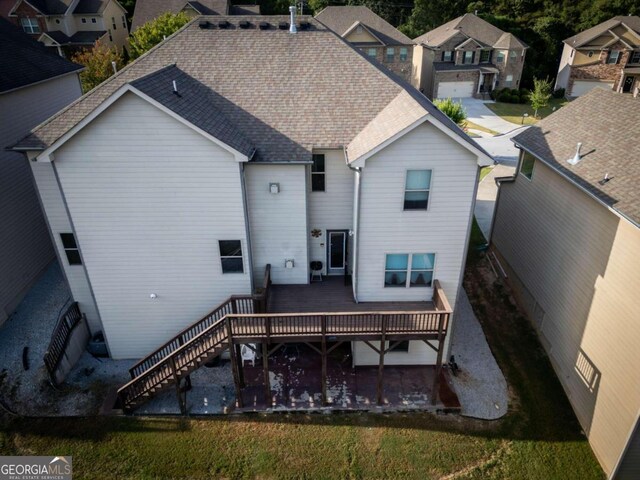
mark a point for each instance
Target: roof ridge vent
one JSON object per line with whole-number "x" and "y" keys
{"x": 576, "y": 158}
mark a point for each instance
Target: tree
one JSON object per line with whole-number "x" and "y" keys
{"x": 454, "y": 110}
{"x": 540, "y": 95}
{"x": 155, "y": 31}
{"x": 429, "y": 14}
{"x": 99, "y": 64}
{"x": 317, "y": 5}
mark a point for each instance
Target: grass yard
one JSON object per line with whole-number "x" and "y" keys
{"x": 538, "y": 439}
{"x": 474, "y": 126}
{"x": 512, "y": 112}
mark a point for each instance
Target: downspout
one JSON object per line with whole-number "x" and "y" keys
{"x": 247, "y": 226}
{"x": 356, "y": 221}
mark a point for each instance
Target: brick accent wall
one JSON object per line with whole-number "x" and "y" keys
{"x": 24, "y": 10}
{"x": 403, "y": 69}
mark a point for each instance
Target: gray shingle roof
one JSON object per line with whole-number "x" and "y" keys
{"x": 146, "y": 10}
{"x": 607, "y": 125}
{"x": 473, "y": 27}
{"x": 24, "y": 61}
{"x": 341, "y": 19}
{"x": 452, "y": 67}
{"x": 84, "y": 37}
{"x": 90, "y": 6}
{"x": 51, "y": 7}
{"x": 286, "y": 93}
{"x": 633, "y": 22}
{"x": 194, "y": 102}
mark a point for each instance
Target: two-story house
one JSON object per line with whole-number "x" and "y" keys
{"x": 604, "y": 56}
{"x": 147, "y": 10}
{"x": 374, "y": 36}
{"x": 467, "y": 57}
{"x": 35, "y": 83}
{"x": 567, "y": 236}
{"x": 182, "y": 181}
{"x": 69, "y": 25}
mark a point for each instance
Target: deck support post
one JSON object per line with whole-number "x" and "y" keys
{"x": 240, "y": 362}
{"x": 436, "y": 380}
{"x": 265, "y": 371}
{"x": 234, "y": 365}
{"x": 324, "y": 360}
{"x": 380, "y": 386}
{"x": 176, "y": 380}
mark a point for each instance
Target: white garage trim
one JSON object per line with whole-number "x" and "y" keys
{"x": 455, "y": 89}
{"x": 580, "y": 87}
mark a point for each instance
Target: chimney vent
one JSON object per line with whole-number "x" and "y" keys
{"x": 292, "y": 23}
{"x": 576, "y": 158}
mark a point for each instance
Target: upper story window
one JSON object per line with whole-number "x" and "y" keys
{"x": 513, "y": 55}
{"x": 404, "y": 54}
{"x": 71, "y": 248}
{"x": 231, "y": 256}
{"x": 372, "y": 53}
{"x": 468, "y": 57}
{"x": 635, "y": 57}
{"x": 590, "y": 54}
{"x": 485, "y": 56}
{"x": 391, "y": 54}
{"x": 110, "y": 36}
{"x": 526, "y": 167}
{"x": 124, "y": 22}
{"x": 113, "y": 23}
{"x": 614, "y": 56}
{"x": 500, "y": 56}
{"x": 447, "y": 56}
{"x": 416, "y": 190}
{"x": 318, "y": 173}
{"x": 83, "y": 20}
{"x": 409, "y": 270}
{"x": 30, "y": 25}
{"x": 94, "y": 20}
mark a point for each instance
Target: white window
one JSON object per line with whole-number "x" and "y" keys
{"x": 93, "y": 20}
{"x": 30, "y": 25}
{"x": 447, "y": 56}
{"x": 318, "y": 173}
{"x": 84, "y": 20}
{"x": 372, "y": 53}
{"x": 71, "y": 248}
{"x": 614, "y": 56}
{"x": 416, "y": 189}
{"x": 404, "y": 54}
{"x": 391, "y": 53}
{"x": 513, "y": 55}
{"x": 231, "y": 256}
{"x": 408, "y": 270}
{"x": 500, "y": 56}
{"x": 509, "y": 80}
{"x": 468, "y": 57}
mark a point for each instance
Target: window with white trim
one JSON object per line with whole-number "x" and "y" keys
{"x": 408, "y": 270}
{"x": 499, "y": 56}
{"x": 447, "y": 56}
{"x": 635, "y": 57}
{"x": 468, "y": 57}
{"x": 30, "y": 25}
{"x": 372, "y": 53}
{"x": 231, "y": 256}
{"x": 404, "y": 54}
{"x": 391, "y": 54}
{"x": 93, "y": 20}
{"x": 614, "y": 56}
{"x": 71, "y": 248}
{"x": 508, "y": 81}
{"x": 416, "y": 189}
{"x": 526, "y": 167}
{"x": 318, "y": 173}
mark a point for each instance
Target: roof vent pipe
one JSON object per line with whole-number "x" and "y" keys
{"x": 576, "y": 158}
{"x": 175, "y": 88}
{"x": 292, "y": 22}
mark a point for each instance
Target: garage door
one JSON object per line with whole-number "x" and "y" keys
{"x": 580, "y": 87}
{"x": 455, "y": 89}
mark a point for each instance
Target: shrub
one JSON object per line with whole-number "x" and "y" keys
{"x": 454, "y": 110}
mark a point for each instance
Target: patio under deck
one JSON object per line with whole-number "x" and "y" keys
{"x": 331, "y": 295}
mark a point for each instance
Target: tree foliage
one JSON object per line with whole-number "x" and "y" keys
{"x": 98, "y": 63}
{"x": 540, "y": 95}
{"x": 454, "y": 110}
{"x": 153, "y": 32}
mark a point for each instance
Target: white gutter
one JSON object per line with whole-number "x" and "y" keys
{"x": 356, "y": 221}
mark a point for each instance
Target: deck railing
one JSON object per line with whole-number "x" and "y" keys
{"x": 60, "y": 339}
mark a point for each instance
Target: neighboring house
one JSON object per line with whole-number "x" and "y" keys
{"x": 371, "y": 34}
{"x": 147, "y": 10}
{"x": 70, "y": 25}
{"x": 34, "y": 84}
{"x": 605, "y": 56}
{"x": 173, "y": 185}
{"x": 568, "y": 237}
{"x": 467, "y": 57}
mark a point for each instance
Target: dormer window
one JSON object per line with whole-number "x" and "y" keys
{"x": 635, "y": 57}
{"x": 468, "y": 57}
{"x": 447, "y": 56}
{"x": 500, "y": 57}
{"x": 30, "y": 25}
{"x": 614, "y": 56}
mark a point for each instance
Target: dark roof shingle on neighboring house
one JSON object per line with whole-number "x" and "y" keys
{"x": 24, "y": 61}
{"x": 87, "y": 7}
{"x": 582, "y": 38}
{"x": 341, "y": 19}
{"x": 474, "y": 27}
{"x": 257, "y": 89}
{"x": 51, "y": 7}
{"x": 146, "y": 10}
{"x": 606, "y": 123}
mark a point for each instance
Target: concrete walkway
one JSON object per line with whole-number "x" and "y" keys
{"x": 477, "y": 112}
{"x": 486, "y": 197}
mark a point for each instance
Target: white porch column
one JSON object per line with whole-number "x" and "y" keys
{"x": 480, "y": 83}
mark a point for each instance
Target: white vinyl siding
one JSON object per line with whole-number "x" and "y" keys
{"x": 333, "y": 208}
{"x": 579, "y": 262}
{"x": 150, "y": 198}
{"x": 278, "y": 221}
{"x": 26, "y": 245}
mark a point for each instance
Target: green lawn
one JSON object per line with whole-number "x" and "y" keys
{"x": 538, "y": 439}
{"x": 475, "y": 126}
{"x": 484, "y": 172}
{"x": 512, "y": 112}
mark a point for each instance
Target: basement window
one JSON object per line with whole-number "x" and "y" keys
{"x": 231, "y": 256}
{"x": 416, "y": 189}
{"x": 318, "y": 173}
{"x": 71, "y": 248}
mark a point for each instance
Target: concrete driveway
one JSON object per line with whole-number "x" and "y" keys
{"x": 477, "y": 112}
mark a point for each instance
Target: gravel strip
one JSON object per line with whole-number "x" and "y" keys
{"x": 480, "y": 384}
